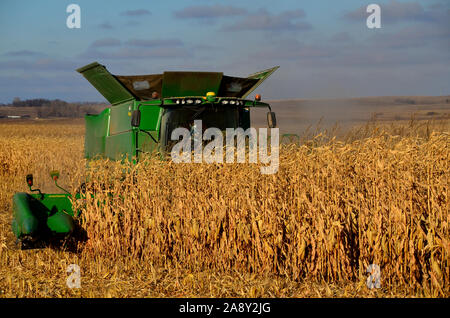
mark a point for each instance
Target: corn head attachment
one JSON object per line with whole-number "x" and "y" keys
{"x": 40, "y": 216}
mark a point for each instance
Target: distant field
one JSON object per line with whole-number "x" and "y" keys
{"x": 296, "y": 116}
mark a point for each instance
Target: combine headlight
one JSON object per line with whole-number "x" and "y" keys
{"x": 183, "y": 101}
{"x": 232, "y": 102}
{"x": 177, "y": 101}
{"x": 198, "y": 101}
{"x": 224, "y": 102}
{"x": 189, "y": 101}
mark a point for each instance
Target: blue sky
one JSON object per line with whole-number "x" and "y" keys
{"x": 323, "y": 47}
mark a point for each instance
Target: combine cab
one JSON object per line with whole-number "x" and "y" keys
{"x": 144, "y": 110}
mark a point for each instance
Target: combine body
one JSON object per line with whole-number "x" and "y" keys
{"x": 163, "y": 102}
{"x": 144, "y": 110}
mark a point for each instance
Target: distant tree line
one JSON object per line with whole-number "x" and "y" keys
{"x": 58, "y": 108}
{"x": 31, "y": 102}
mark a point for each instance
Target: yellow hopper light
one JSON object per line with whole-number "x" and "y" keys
{"x": 211, "y": 96}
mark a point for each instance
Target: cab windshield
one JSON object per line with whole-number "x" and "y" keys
{"x": 220, "y": 117}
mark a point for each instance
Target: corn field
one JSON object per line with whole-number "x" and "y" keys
{"x": 334, "y": 207}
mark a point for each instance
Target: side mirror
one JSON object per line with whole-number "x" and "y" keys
{"x": 271, "y": 120}
{"x": 136, "y": 118}
{"x": 30, "y": 180}
{"x": 54, "y": 175}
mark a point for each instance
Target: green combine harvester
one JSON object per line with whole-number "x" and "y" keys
{"x": 144, "y": 110}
